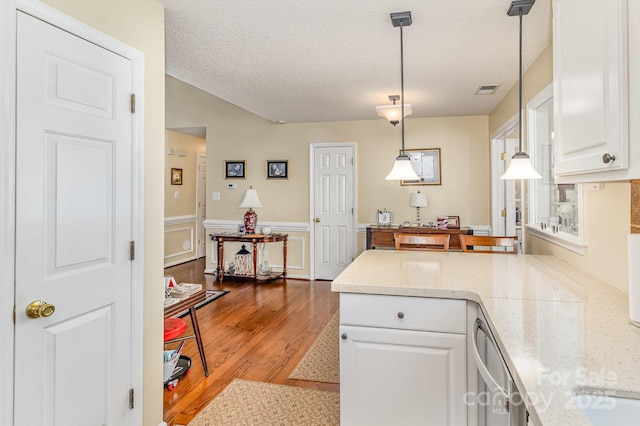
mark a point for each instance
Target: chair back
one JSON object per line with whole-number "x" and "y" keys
{"x": 489, "y": 244}
{"x": 423, "y": 242}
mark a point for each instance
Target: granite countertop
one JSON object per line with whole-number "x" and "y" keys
{"x": 561, "y": 330}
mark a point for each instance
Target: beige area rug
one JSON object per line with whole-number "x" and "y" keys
{"x": 321, "y": 363}
{"x": 245, "y": 402}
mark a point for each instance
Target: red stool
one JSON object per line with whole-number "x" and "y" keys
{"x": 174, "y": 328}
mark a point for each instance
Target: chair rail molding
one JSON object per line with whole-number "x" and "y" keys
{"x": 275, "y": 226}
{"x": 179, "y": 220}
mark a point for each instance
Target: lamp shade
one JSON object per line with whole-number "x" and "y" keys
{"x": 419, "y": 200}
{"x": 250, "y": 200}
{"x": 402, "y": 169}
{"x": 393, "y": 113}
{"x": 520, "y": 167}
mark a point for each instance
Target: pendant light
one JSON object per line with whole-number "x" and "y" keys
{"x": 520, "y": 166}
{"x": 402, "y": 168}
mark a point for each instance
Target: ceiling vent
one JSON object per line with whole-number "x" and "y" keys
{"x": 487, "y": 89}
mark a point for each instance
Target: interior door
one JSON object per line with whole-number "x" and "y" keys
{"x": 333, "y": 209}
{"x": 201, "y": 203}
{"x": 503, "y": 192}
{"x": 73, "y": 230}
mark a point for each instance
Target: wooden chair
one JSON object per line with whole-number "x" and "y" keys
{"x": 489, "y": 244}
{"x": 423, "y": 242}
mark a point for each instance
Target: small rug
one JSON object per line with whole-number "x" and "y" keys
{"x": 245, "y": 402}
{"x": 321, "y": 363}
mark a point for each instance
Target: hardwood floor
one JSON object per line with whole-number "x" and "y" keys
{"x": 258, "y": 331}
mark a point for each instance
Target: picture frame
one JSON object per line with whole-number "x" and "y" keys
{"x": 277, "y": 169}
{"x": 176, "y": 176}
{"x": 234, "y": 169}
{"x": 453, "y": 222}
{"x": 426, "y": 163}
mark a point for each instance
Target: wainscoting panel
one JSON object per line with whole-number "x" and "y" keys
{"x": 179, "y": 240}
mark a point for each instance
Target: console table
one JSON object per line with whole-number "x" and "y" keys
{"x": 382, "y": 238}
{"x": 254, "y": 239}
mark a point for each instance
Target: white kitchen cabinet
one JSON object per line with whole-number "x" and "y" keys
{"x": 402, "y": 360}
{"x": 591, "y": 53}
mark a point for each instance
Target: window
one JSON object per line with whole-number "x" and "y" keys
{"x": 555, "y": 212}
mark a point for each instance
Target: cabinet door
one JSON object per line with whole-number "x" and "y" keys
{"x": 590, "y": 85}
{"x": 402, "y": 377}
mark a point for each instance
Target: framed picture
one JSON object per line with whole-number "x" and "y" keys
{"x": 453, "y": 222}
{"x": 277, "y": 169}
{"x": 426, "y": 163}
{"x": 234, "y": 169}
{"x": 176, "y": 176}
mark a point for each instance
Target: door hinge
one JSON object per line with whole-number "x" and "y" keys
{"x": 503, "y": 156}
{"x": 132, "y": 250}
{"x": 133, "y": 103}
{"x": 504, "y": 212}
{"x": 14, "y": 314}
{"x": 131, "y": 399}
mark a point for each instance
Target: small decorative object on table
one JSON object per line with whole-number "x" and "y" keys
{"x": 443, "y": 222}
{"x": 383, "y": 217}
{"x": 244, "y": 262}
{"x": 453, "y": 222}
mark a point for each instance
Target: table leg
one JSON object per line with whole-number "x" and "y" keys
{"x": 284, "y": 257}
{"x": 220, "y": 260}
{"x": 255, "y": 259}
{"x": 196, "y": 331}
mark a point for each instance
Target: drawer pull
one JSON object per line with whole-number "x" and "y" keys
{"x": 400, "y": 315}
{"x": 344, "y": 336}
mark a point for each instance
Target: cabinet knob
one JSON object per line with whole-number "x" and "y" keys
{"x": 606, "y": 158}
{"x": 400, "y": 315}
{"x": 344, "y": 336}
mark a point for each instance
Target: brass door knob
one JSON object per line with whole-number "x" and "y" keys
{"x": 317, "y": 220}
{"x": 40, "y": 308}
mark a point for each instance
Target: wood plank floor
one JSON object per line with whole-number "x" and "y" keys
{"x": 255, "y": 332}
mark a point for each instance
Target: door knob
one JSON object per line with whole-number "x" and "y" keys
{"x": 40, "y": 308}
{"x": 316, "y": 220}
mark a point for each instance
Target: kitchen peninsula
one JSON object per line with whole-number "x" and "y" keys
{"x": 559, "y": 330}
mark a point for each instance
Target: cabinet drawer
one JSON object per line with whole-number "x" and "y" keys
{"x": 402, "y": 312}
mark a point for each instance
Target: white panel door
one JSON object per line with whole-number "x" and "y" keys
{"x": 402, "y": 377}
{"x": 73, "y": 229}
{"x": 333, "y": 210}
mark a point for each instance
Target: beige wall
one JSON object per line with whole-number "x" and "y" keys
{"x": 140, "y": 24}
{"x": 606, "y": 212}
{"x": 235, "y": 134}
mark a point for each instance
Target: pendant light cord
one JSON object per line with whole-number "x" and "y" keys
{"x": 520, "y": 89}
{"x": 402, "y": 85}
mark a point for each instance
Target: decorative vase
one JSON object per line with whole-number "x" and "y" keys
{"x": 250, "y": 221}
{"x": 266, "y": 230}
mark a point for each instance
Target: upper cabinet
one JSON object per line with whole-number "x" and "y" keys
{"x": 594, "y": 52}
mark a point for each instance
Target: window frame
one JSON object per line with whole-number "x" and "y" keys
{"x": 575, "y": 243}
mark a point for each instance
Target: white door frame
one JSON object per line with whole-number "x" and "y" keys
{"x": 201, "y": 248}
{"x": 8, "y": 11}
{"x": 312, "y": 147}
{"x": 497, "y": 169}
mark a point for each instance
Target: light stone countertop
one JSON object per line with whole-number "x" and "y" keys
{"x": 561, "y": 330}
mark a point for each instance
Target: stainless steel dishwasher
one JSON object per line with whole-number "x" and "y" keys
{"x": 497, "y": 398}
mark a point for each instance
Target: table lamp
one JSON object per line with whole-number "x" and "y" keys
{"x": 250, "y": 201}
{"x": 419, "y": 200}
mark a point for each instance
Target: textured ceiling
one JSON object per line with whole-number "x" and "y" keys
{"x": 333, "y": 60}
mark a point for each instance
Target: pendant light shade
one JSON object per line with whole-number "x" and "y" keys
{"x": 394, "y": 113}
{"x": 402, "y": 168}
{"x": 520, "y": 166}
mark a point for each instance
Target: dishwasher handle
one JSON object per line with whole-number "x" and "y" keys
{"x": 482, "y": 368}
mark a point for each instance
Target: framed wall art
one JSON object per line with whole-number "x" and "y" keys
{"x": 234, "y": 169}
{"x": 277, "y": 169}
{"x": 176, "y": 176}
{"x": 426, "y": 163}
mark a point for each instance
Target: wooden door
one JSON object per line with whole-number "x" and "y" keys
{"x": 73, "y": 229}
{"x": 333, "y": 208}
